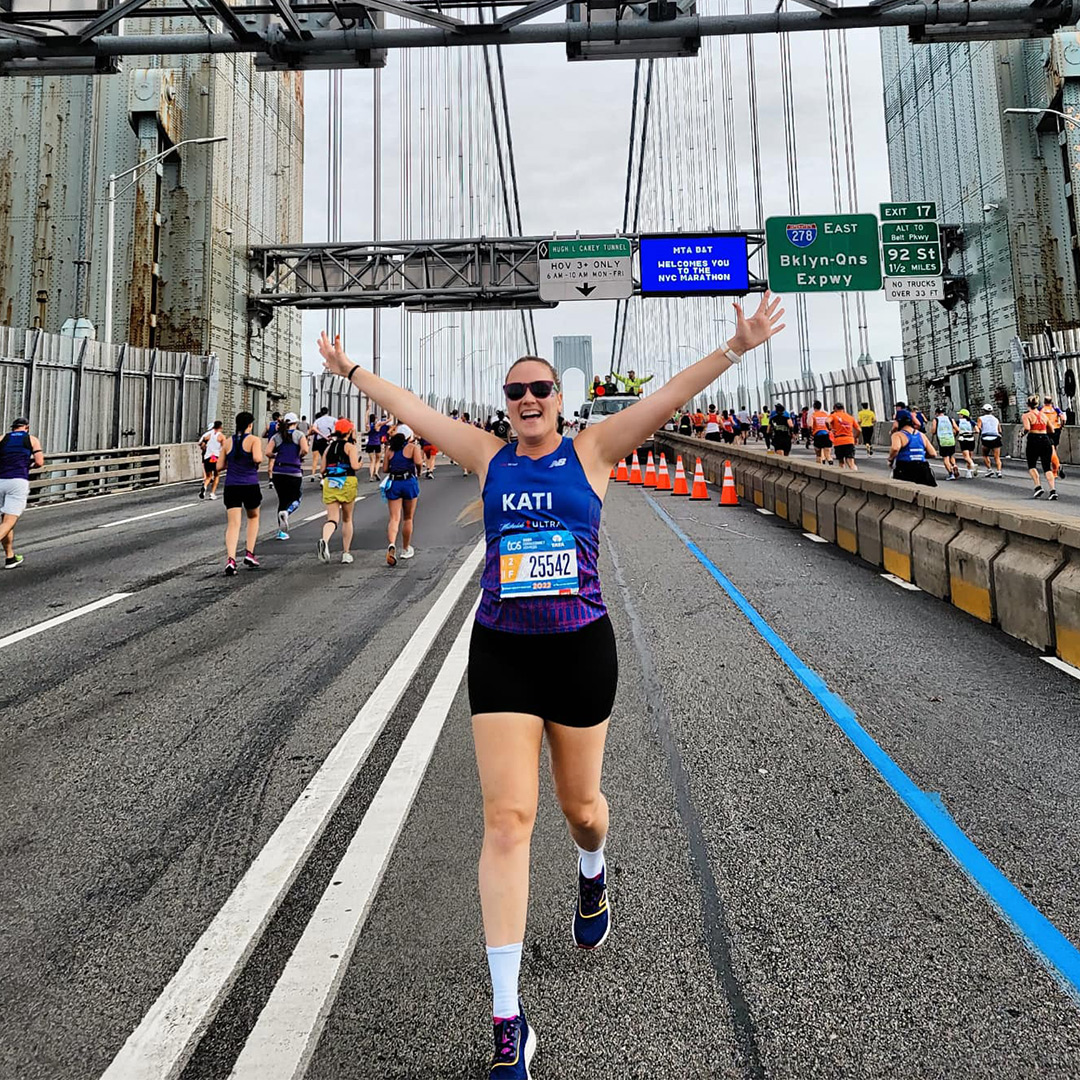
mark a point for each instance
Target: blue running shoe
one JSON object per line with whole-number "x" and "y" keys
{"x": 592, "y": 916}
{"x": 515, "y": 1044}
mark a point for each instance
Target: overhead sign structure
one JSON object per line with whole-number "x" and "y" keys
{"x": 585, "y": 269}
{"x": 911, "y": 251}
{"x": 837, "y": 253}
{"x": 708, "y": 265}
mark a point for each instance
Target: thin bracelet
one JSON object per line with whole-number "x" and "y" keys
{"x": 355, "y": 369}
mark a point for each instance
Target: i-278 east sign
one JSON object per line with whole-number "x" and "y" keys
{"x": 838, "y": 253}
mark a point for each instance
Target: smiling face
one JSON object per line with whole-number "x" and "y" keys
{"x": 533, "y": 418}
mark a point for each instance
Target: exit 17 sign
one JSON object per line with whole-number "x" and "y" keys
{"x": 910, "y": 240}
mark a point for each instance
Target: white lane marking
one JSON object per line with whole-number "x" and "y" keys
{"x": 314, "y": 517}
{"x": 762, "y": 510}
{"x": 284, "y": 1039}
{"x": 59, "y": 620}
{"x": 158, "y": 1049}
{"x": 143, "y": 517}
{"x": 1061, "y": 665}
{"x": 901, "y": 582}
{"x": 817, "y": 539}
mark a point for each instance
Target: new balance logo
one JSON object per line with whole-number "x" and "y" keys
{"x": 558, "y": 463}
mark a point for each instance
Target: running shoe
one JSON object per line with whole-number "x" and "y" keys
{"x": 346, "y": 557}
{"x": 515, "y": 1044}
{"x": 13, "y": 562}
{"x": 408, "y": 553}
{"x": 592, "y": 916}
{"x": 324, "y": 551}
{"x": 202, "y": 492}
{"x": 1037, "y": 493}
{"x": 282, "y": 534}
{"x": 250, "y": 560}
{"x": 1053, "y": 495}
{"x": 391, "y": 555}
{"x": 949, "y": 476}
{"x": 230, "y": 567}
{"x": 213, "y": 495}
{"x": 283, "y": 521}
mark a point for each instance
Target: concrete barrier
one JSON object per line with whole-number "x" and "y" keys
{"x": 1019, "y": 570}
{"x": 180, "y": 461}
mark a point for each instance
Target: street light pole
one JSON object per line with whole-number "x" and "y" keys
{"x": 1038, "y": 112}
{"x": 110, "y": 223}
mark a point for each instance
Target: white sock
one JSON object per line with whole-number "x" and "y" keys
{"x": 504, "y": 963}
{"x": 592, "y": 862}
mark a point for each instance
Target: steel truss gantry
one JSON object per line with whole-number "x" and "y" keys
{"x": 431, "y": 275}
{"x": 79, "y": 36}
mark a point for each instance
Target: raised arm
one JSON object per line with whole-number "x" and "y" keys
{"x": 472, "y": 447}
{"x": 624, "y": 432}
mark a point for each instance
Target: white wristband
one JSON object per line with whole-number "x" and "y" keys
{"x": 731, "y": 354}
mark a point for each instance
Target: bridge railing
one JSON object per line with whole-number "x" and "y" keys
{"x": 82, "y": 473}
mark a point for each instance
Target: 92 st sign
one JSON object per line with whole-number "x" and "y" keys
{"x": 911, "y": 248}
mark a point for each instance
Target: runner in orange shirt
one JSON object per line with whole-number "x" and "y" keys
{"x": 819, "y": 427}
{"x": 842, "y": 426}
{"x": 699, "y": 423}
{"x": 1054, "y": 420}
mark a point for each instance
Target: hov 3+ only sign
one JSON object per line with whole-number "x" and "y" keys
{"x": 585, "y": 269}
{"x": 838, "y": 253}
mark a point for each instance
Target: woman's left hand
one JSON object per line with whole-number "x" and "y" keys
{"x": 750, "y": 333}
{"x": 334, "y": 359}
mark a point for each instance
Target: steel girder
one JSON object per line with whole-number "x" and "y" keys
{"x": 451, "y": 275}
{"x": 342, "y": 33}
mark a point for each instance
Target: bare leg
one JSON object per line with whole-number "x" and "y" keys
{"x": 395, "y": 521}
{"x": 252, "y": 529}
{"x": 408, "y": 511}
{"x": 577, "y": 760}
{"x": 346, "y": 525}
{"x": 333, "y": 516}
{"x": 7, "y": 528}
{"x": 232, "y": 530}
{"x": 508, "y": 759}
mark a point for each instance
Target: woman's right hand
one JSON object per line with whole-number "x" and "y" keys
{"x": 335, "y": 360}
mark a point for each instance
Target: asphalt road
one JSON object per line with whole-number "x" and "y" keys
{"x": 779, "y": 912}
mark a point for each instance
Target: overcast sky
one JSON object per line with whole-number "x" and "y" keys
{"x": 571, "y": 128}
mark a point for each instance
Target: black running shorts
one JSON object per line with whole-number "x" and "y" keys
{"x": 822, "y": 440}
{"x": 868, "y": 436}
{"x": 567, "y": 678}
{"x": 1040, "y": 451}
{"x": 246, "y": 496}
{"x": 845, "y": 451}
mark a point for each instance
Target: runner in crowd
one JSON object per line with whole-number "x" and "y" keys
{"x": 242, "y": 454}
{"x": 402, "y": 459}
{"x": 19, "y": 453}
{"x": 965, "y": 441}
{"x": 699, "y": 423}
{"x": 269, "y": 433}
{"x": 742, "y": 418}
{"x": 819, "y": 424}
{"x": 542, "y": 521}
{"x": 842, "y": 432}
{"x": 342, "y": 464}
{"x": 1039, "y": 447}
{"x": 867, "y": 419}
{"x": 909, "y": 450}
{"x": 989, "y": 429}
{"x": 686, "y": 424}
{"x": 303, "y": 427}
{"x": 712, "y": 425}
{"x": 430, "y": 451}
{"x": 373, "y": 447}
{"x": 211, "y": 446}
{"x": 287, "y": 450}
{"x": 323, "y": 428}
{"x": 755, "y": 425}
{"x": 804, "y": 427}
{"x": 765, "y": 432}
{"x": 500, "y": 426}
{"x": 727, "y": 427}
{"x": 1055, "y": 421}
{"x": 945, "y": 429}
{"x": 782, "y": 429}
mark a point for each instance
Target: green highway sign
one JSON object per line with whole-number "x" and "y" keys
{"x": 596, "y": 269}
{"x": 908, "y": 211}
{"x": 837, "y": 253}
{"x": 614, "y": 248}
{"x": 910, "y": 232}
{"x": 911, "y": 249}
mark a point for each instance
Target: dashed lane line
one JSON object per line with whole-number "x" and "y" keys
{"x": 284, "y": 1039}
{"x": 814, "y": 536}
{"x": 143, "y": 517}
{"x": 161, "y": 1045}
{"x": 762, "y": 510}
{"x": 59, "y": 620}
{"x": 1061, "y": 665}
{"x": 901, "y": 582}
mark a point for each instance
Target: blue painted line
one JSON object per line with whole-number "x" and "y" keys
{"x": 1038, "y": 933}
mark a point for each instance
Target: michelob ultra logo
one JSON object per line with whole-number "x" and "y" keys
{"x": 801, "y": 235}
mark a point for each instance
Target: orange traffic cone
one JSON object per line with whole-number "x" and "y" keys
{"x": 635, "y": 471}
{"x": 680, "y": 487}
{"x": 663, "y": 478}
{"x": 701, "y": 490}
{"x": 650, "y": 472}
{"x": 728, "y": 495}
{"x": 622, "y": 475}
{"x": 612, "y": 476}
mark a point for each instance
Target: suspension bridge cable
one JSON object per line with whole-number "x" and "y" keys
{"x": 834, "y": 163}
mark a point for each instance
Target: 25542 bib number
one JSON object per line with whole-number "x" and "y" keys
{"x": 538, "y": 564}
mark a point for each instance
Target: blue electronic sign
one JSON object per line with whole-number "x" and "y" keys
{"x": 694, "y": 265}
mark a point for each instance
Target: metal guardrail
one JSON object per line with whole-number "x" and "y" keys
{"x": 82, "y": 473}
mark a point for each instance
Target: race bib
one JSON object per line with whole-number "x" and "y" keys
{"x": 538, "y": 564}
{"x": 335, "y": 483}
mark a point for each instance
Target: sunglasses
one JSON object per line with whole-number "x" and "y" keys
{"x": 542, "y": 388}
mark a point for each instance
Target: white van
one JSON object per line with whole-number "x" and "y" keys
{"x": 593, "y": 412}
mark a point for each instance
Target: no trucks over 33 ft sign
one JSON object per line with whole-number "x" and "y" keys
{"x": 838, "y": 253}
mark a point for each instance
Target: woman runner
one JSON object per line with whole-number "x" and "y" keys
{"x": 340, "y": 466}
{"x": 541, "y": 611}
{"x": 909, "y": 451}
{"x": 1040, "y": 449}
{"x": 373, "y": 447}
{"x": 243, "y": 454}
{"x": 402, "y": 461}
{"x": 287, "y": 449}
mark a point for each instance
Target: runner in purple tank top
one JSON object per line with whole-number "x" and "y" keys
{"x": 542, "y": 611}
{"x": 242, "y": 455}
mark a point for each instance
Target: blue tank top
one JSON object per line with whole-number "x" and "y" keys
{"x": 537, "y": 501}
{"x": 16, "y": 453}
{"x": 287, "y": 460}
{"x": 242, "y": 468}
{"x": 399, "y": 463}
{"x": 915, "y": 449}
